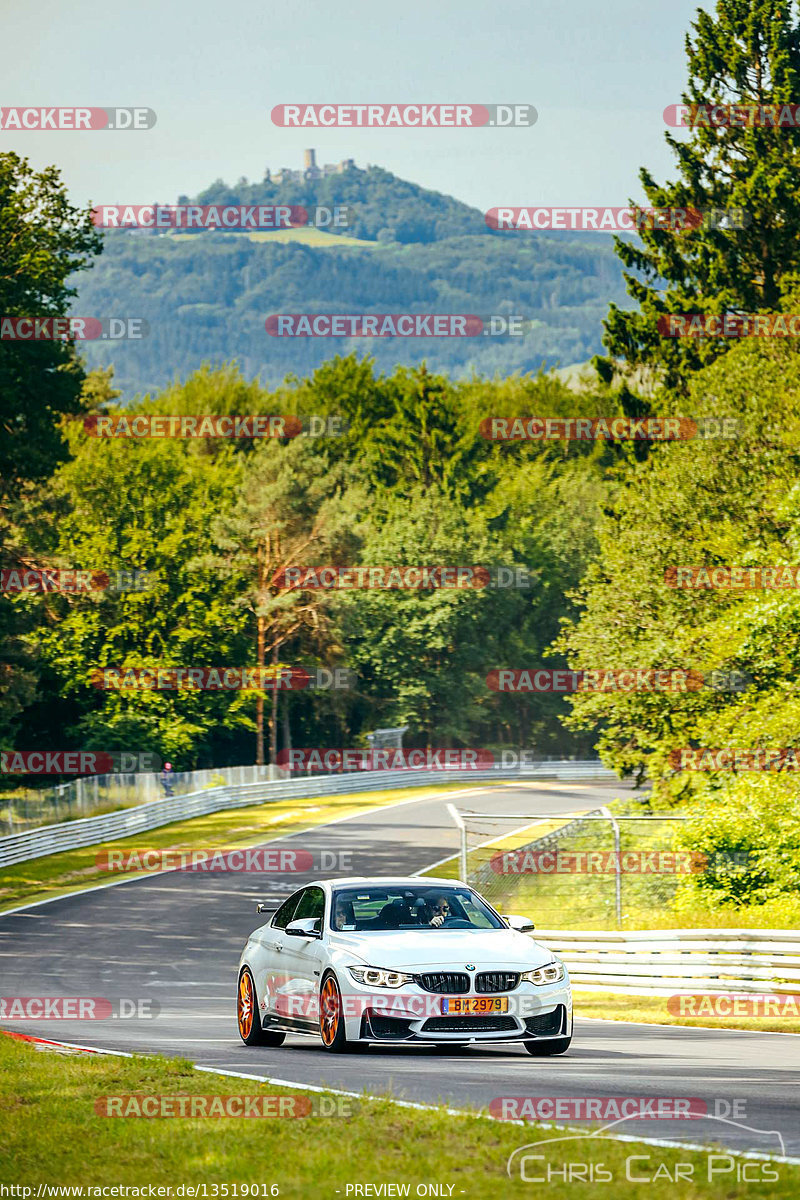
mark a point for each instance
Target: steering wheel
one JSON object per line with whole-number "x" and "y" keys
{"x": 456, "y": 923}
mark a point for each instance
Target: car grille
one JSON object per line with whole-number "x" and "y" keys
{"x": 446, "y": 983}
{"x": 469, "y": 1025}
{"x": 496, "y": 981}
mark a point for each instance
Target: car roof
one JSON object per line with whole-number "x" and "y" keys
{"x": 390, "y": 881}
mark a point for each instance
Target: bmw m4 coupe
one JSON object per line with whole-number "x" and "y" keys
{"x": 412, "y": 960}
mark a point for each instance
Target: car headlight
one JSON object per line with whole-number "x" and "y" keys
{"x": 378, "y": 977}
{"x": 551, "y": 972}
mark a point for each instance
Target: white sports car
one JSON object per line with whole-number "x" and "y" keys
{"x": 411, "y": 960}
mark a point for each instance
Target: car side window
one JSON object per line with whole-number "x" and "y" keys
{"x": 286, "y": 911}
{"x": 312, "y": 904}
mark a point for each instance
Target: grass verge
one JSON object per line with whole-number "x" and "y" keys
{"x": 71, "y": 870}
{"x": 654, "y": 1009}
{"x": 52, "y": 1134}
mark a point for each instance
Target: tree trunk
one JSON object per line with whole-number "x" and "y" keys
{"x": 260, "y": 698}
{"x": 273, "y": 718}
{"x": 287, "y": 732}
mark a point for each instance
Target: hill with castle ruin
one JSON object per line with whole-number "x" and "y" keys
{"x": 206, "y": 295}
{"x": 382, "y": 208}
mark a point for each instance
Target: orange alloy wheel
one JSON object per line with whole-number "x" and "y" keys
{"x": 244, "y": 1005}
{"x": 329, "y": 1009}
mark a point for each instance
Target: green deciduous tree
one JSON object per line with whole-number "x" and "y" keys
{"x": 43, "y": 239}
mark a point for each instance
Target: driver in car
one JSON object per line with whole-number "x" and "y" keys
{"x": 441, "y": 911}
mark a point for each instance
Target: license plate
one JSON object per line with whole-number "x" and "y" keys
{"x": 475, "y": 1006}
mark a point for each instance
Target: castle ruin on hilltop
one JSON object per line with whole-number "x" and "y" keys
{"x": 310, "y": 170}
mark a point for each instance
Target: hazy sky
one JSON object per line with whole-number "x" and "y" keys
{"x": 600, "y": 76}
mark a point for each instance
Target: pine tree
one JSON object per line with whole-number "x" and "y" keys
{"x": 747, "y": 53}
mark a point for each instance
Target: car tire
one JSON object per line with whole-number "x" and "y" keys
{"x": 247, "y": 1018}
{"x": 331, "y": 1022}
{"x": 546, "y": 1047}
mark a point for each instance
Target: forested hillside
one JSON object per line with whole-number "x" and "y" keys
{"x": 206, "y": 295}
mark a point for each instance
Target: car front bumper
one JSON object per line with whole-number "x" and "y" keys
{"x": 412, "y": 1015}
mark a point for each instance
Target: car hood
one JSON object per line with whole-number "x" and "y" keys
{"x": 409, "y": 951}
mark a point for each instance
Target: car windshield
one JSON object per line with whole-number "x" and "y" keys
{"x": 361, "y": 909}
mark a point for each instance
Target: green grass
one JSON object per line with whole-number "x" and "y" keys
{"x": 654, "y": 1009}
{"x": 51, "y": 1134}
{"x": 59, "y": 874}
{"x": 305, "y": 236}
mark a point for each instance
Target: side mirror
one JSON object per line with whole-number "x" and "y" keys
{"x": 305, "y": 928}
{"x": 521, "y": 924}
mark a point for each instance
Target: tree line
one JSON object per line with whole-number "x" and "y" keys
{"x": 601, "y": 526}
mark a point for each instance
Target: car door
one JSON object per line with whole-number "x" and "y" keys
{"x": 303, "y": 958}
{"x": 273, "y": 980}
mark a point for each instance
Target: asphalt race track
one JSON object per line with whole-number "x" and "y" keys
{"x": 176, "y": 938}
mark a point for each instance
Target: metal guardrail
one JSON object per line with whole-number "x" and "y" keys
{"x": 88, "y": 831}
{"x": 23, "y": 809}
{"x": 670, "y": 961}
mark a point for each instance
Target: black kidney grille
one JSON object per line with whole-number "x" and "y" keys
{"x": 496, "y": 981}
{"x": 446, "y": 983}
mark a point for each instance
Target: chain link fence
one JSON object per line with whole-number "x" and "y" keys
{"x": 594, "y": 869}
{"x": 93, "y": 795}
